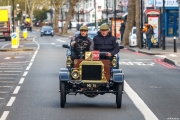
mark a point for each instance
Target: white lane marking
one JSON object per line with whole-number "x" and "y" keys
{"x": 6, "y": 86}
{"x": 9, "y": 71}
{"x": 3, "y": 92}
{"x": 173, "y": 55}
{"x": 137, "y": 63}
{"x": 17, "y": 90}
{"x": 7, "y": 58}
{"x": 33, "y": 56}
{"x": 53, "y": 43}
{"x": 143, "y": 59}
{"x": 35, "y": 53}
{"x": 5, "y": 68}
{"x": 12, "y": 66}
{"x": 36, "y": 43}
{"x": 4, "y": 115}
{"x": 21, "y": 81}
{"x": 8, "y": 74}
{"x": 25, "y": 73}
{"x": 11, "y": 101}
{"x": 60, "y": 40}
{"x": 29, "y": 66}
{"x": 5, "y": 45}
{"x": 161, "y": 56}
{"x": 32, "y": 59}
{"x": 139, "y": 103}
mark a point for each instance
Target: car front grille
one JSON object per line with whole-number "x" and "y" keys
{"x": 91, "y": 72}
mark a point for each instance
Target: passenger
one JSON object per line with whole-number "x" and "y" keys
{"x": 82, "y": 38}
{"x": 105, "y": 42}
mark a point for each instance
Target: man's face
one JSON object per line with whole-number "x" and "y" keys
{"x": 146, "y": 24}
{"x": 104, "y": 32}
{"x": 83, "y": 33}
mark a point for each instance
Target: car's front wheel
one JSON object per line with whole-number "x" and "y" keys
{"x": 119, "y": 94}
{"x": 62, "y": 94}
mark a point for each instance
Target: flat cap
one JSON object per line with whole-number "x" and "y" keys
{"x": 104, "y": 27}
{"x": 83, "y": 27}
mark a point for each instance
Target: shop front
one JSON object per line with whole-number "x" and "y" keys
{"x": 171, "y": 21}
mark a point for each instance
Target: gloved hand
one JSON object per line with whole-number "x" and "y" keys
{"x": 79, "y": 41}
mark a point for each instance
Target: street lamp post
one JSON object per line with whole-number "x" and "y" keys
{"x": 51, "y": 12}
{"x": 179, "y": 20}
{"x": 107, "y": 11}
{"x": 163, "y": 29}
{"x": 95, "y": 14}
{"x": 78, "y": 17}
{"x": 141, "y": 42}
{"x": 61, "y": 20}
{"x": 115, "y": 18}
{"x": 13, "y": 14}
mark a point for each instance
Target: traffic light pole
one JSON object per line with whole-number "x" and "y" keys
{"x": 163, "y": 29}
{"x": 13, "y": 14}
{"x": 141, "y": 42}
{"x": 115, "y": 18}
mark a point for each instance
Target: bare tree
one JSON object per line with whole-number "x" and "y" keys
{"x": 57, "y": 4}
{"x": 69, "y": 15}
{"x": 30, "y": 7}
{"x": 137, "y": 20}
{"x": 130, "y": 21}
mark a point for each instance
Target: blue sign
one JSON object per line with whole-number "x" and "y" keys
{"x": 14, "y": 35}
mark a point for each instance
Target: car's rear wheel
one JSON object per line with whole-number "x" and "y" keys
{"x": 119, "y": 94}
{"x": 62, "y": 94}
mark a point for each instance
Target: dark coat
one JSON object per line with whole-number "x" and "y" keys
{"x": 149, "y": 32}
{"x": 106, "y": 44}
{"x": 80, "y": 39}
{"x": 122, "y": 28}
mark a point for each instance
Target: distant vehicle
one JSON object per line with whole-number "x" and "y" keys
{"x": 93, "y": 28}
{"x": 5, "y": 22}
{"x": 45, "y": 22}
{"x": 91, "y": 34}
{"x": 133, "y": 38}
{"x": 47, "y": 31}
{"x": 27, "y": 24}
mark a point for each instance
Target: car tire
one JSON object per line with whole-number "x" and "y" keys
{"x": 52, "y": 35}
{"x": 62, "y": 94}
{"x": 41, "y": 35}
{"x": 119, "y": 94}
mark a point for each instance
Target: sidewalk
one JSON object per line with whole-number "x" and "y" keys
{"x": 168, "y": 54}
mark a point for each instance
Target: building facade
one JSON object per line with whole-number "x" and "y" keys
{"x": 170, "y": 18}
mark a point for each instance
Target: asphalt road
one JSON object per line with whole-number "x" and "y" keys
{"x": 151, "y": 88}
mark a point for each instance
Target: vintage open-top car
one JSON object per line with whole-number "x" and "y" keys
{"x": 91, "y": 76}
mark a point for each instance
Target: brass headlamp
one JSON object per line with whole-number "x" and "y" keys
{"x": 114, "y": 62}
{"x": 75, "y": 74}
{"x": 68, "y": 61}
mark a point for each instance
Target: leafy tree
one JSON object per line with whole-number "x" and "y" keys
{"x": 40, "y": 14}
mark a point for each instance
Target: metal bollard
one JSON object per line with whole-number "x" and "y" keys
{"x": 175, "y": 48}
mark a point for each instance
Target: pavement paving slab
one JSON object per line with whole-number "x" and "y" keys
{"x": 168, "y": 54}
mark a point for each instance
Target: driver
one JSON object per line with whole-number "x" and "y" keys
{"x": 81, "y": 40}
{"x": 105, "y": 42}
